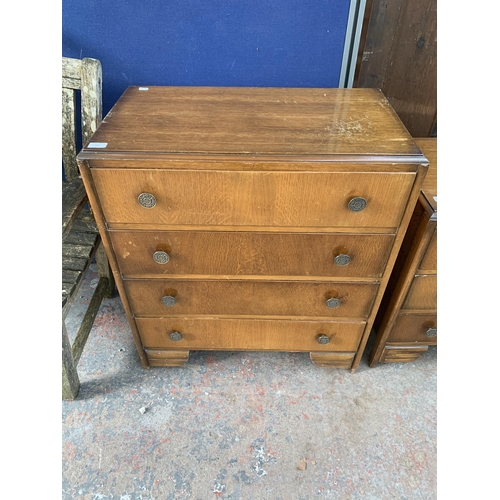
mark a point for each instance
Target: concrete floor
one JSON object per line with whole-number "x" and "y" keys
{"x": 243, "y": 425}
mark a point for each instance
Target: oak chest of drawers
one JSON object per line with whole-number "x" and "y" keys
{"x": 252, "y": 218}
{"x": 406, "y": 323}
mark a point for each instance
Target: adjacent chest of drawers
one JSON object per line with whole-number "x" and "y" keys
{"x": 252, "y": 218}
{"x": 406, "y": 323}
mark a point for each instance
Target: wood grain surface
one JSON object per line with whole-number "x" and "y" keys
{"x": 284, "y": 199}
{"x": 244, "y": 334}
{"x": 422, "y": 294}
{"x": 235, "y": 297}
{"x": 254, "y": 121}
{"x": 428, "y": 264}
{"x": 412, "y": 328}
{"x": 250, "y": 253}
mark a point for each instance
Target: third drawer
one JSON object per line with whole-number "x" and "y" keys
{"x": 161, "y": 297}
{"x": 414, "y": 328}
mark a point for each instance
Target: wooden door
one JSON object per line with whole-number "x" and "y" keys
{"x": 398, "y": 54}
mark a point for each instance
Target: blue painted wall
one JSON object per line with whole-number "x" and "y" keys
{"x": 273, "y": 43}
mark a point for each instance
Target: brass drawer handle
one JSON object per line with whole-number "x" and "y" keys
{"x": 357, "y": 204}
{"x": 431, "y": 332}
{"x": 168, "y": 301}
{"x": 323, "y": 339}
{"x": 175, "y": 336}
{"x": 147, "y": 200}
{"x": 342, "y": 259}
{"x": 161, "y": 257}
{"x": 333, "y": 303}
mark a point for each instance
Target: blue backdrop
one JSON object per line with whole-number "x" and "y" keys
{"x": 273, "y": 43}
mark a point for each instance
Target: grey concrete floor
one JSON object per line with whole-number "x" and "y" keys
{"x": 243, "y": 425}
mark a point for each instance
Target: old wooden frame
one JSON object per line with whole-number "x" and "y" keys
{"x": 80, "y": 238}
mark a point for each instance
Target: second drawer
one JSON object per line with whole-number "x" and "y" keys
{"x": 252, "y": 298}
{"x": 251, "y": 253}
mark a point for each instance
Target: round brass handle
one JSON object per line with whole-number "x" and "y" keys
{"x": 323, "y": 339}
{"x": 431, "y": 332}
{"x": 357, "y": 204}
{"x": 333, "y": 303}
{"x": 161, "y": 257}
{"x": 342, "y": 259}
{"x": 168, "y": 300}
{"x": 175, "y": 336}
{"x": 147, "y": 200}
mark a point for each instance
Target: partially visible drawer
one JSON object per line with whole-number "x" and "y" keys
{"x": 402, "y": 353}
{"x": 251, "y": 334}
{"x": 249, "y": 298}
{"x": 251, "y": 253}
{"x": 253, "y": 198}
{"x": 422, "y": 293}
{"x": 415, "y": 328}
{"x": 428, "y": 265}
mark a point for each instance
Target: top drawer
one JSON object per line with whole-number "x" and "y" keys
{"x": 253, "y": 198}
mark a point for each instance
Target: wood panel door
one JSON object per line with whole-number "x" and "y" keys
{"x": 398, "y": 54}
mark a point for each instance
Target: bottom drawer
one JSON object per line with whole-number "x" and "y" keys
{"x": 249, "y": 334}
{"x": 415, "y": 328}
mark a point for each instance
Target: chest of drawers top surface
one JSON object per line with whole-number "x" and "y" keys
{"x": 253, "y": 122}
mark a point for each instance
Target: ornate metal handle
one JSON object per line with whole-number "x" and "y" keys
{"x": 357, "y": 204}
{"x": 161, "y": 257}
{"x": 168, "y": 300}
{"x": 175, "y": 336}
{"x": 323, "y": 339}
{"x": 431, "y": 332}
{"x": 147, "y": 200}
{"x": 333, "y": 303}
{"x": 342, "y": 259}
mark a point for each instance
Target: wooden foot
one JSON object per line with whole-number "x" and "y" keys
{"x": 161, "y": 357}
{"x": 402, "y": 354}
{"x": 332, "y": 359}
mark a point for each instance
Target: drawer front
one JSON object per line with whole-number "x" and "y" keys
{"x": 422, "y": 293}
{"x": 429, "y": 260}
{"x": 283, "y": 199}
{"x": 402, "y": 353}
{"x": 415, "y": 328}
{"x": 249, "y": 334}
{"x": 249, "y": 298}
{"x": 244, "y": 253}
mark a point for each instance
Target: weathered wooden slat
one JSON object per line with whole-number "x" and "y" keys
{"x": 69, "y": 276}
{"x": 104, "y": 270}
{"x": 83, "y": 225}
{"x": 71, "y": 68}
{"x": 69, "y": 147}
{"x": 88, "y": 320}
{"x": 79, "y": 251}
{"x": 73, "y": 199}
{"x": 80, "y": 236}
{"x": 71, "y": 83}
{"x": 74, "y": 264}
{"x": 77, "y": 238}
{"x": 91, "y": 75}
{"x": 67, "y": 290}
{"x": 70, "y": 381}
